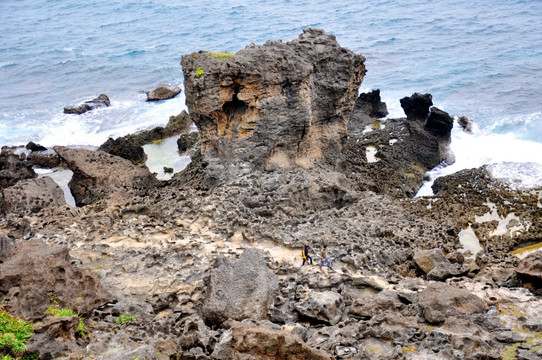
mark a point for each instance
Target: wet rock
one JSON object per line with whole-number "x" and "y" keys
{"x": 416, "y": 107}
{"x": 239, "y": 289}
{"x": 37, "y": 272}
{"x": 439, "y": 123}
{"x": 101, "y": 101}
{"x": 465, "y": 123}
{"x": 367, "y": 108}
{"x": 163, "y": 92}
{"x": 130, "y": 147}
{"x": 31, "y": 196}
{"x": 99, "y": 176}
{"x": 439, "y": 301}
{"x": 187, "y": 141}
{"x": 35, "y": 147}
{"x": 324, "y": 306}
{"x": 277, "y": 104}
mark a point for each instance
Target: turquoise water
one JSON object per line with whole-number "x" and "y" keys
{"x": 481, "y": 59}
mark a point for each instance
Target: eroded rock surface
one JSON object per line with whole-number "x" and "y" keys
{"x": 276, "y": 104}
{"x": 163, "y": 92}
{"x": 31, "y": 195}
{"x": 99, "y": 176}
{"x": 37, "y": 274}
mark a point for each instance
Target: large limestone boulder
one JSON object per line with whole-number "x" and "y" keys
{"x": 258, "y": 341}
{"x": 240, "y": 289}
{"x": 36, "y": 272}
{"x": 276, "y": 104}
{"x": 98, "y": 175}
{"x": 435, "y": 264}
{"x": 440, "y": 301}
{"x": 7, "y": 247}
{"x": 31, "y": 196}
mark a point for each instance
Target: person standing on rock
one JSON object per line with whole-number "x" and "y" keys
{"x": 324, "y": 258}
{"x": 305, "y": 254}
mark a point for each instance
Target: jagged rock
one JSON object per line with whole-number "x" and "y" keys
{"x": 98, "y": 175}
{"x": 276, "y": 104}
{"x": 417, "y": 106}
{"x": 436, "y": 265}
{"x": 475, "y": 180}
{"x": 35, "y": 147}
{"x": 439, "y": 301}
{"x": 130, "y": 147}
{"x": 251, "y": 341}
{"x": 367, "y": 307}
{"x": 13, "y": 170}
{"x": 37, "y": 272}
{"x": 195, "y": 334}
{"x": 55, "y": 336}
{"x": 530, "y": 269}
{"x": 101, "y": 101}
{"x": 163, "y": 92}
{"x": 31, "y": 196}
{"x": 439, "y": 123}
{"x": 324, "y": 306}
{"x": 240, "y": 289}
{"x": 7, "y": 247}
{"x": 465, "y": 123}
{"x": 47, "y": 159}
{"x": 186, "y": 141}
{"x": 367, "y": 108}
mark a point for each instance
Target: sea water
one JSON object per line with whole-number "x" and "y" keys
{"x": 481, "y": 59}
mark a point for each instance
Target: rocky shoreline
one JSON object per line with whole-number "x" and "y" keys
{"x": 207, "y": 265}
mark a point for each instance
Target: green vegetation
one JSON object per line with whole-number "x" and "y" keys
{"x": 57, "y": 312}
{"x": 199, "y": 72}
{"x": 14, "y": 333}
{"x": 221, "y": 55}
{"x": 124, "y": 319}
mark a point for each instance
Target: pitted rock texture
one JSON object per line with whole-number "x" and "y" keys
{"x": 31, "y": 195}
{"x": 13, "y": 170}
{"x": 98, "y": 176}
{"x": 36, "y": 272}
{"x": 276, "y": 104}
{"x": 240, "y": 290}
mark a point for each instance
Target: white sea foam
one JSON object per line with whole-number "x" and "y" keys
{"x": 121, "y": 118}
{"x": 509, "y": 158}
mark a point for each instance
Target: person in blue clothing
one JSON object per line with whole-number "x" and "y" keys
{"x": 306, "y": 255}
{"x": 324, "y": 258}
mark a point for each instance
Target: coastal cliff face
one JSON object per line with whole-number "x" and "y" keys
{"x": 277, "y": 104}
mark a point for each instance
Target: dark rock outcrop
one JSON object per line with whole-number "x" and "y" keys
{"x": 187, "y": 141}
{"x": 101, "y": 101}
{"x": 439, "y": 123}
{"x": 54, "y": 337}
{"x": 130, "y": 147}
{"x": 36, "y": 272}
{"x": 465, "y": 123}
{"x": 30, "y": 196}
{"x": 163, "y": 92}
{"x": 277, "y": 104}
{"x": 98, "y": 175}
{"x": 12, "y": 169}
{"x": 417, "y": 106}
{"x": 35, "y": 147}
{"x": 240, "y": 290}
{"x": 367, "y": 108}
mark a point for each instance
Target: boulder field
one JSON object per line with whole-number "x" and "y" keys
{"x": 207, "y": 265}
